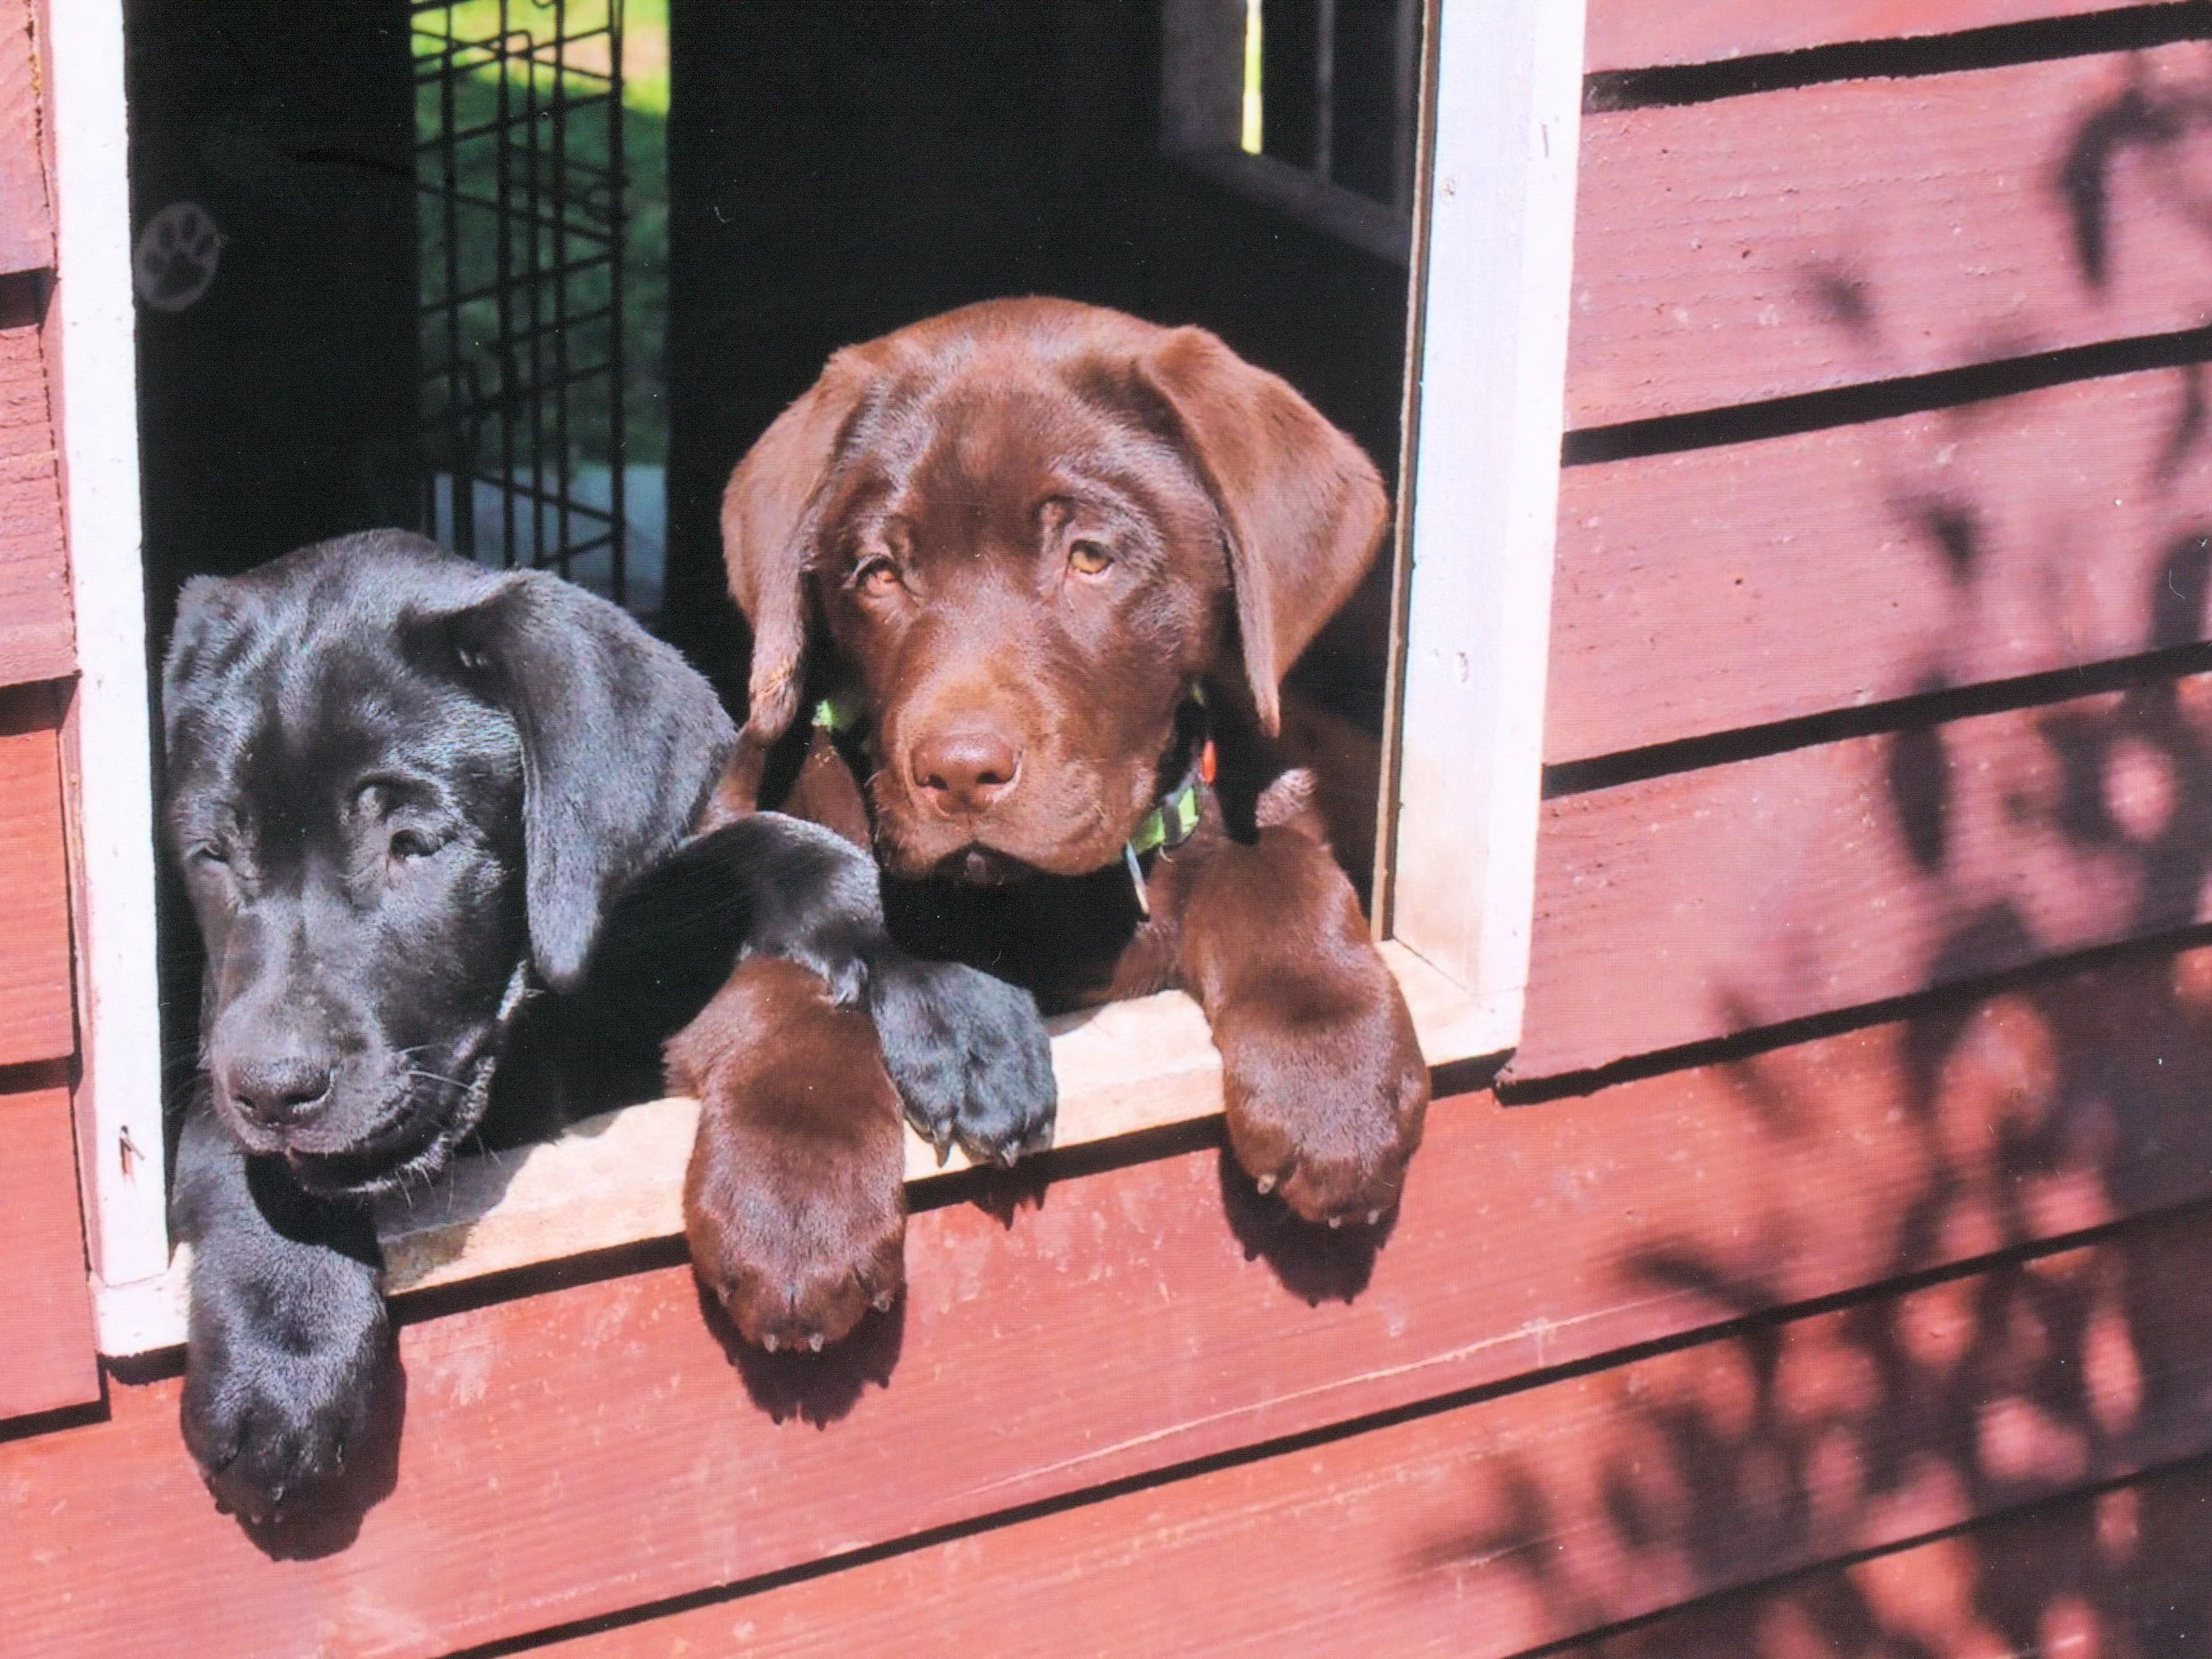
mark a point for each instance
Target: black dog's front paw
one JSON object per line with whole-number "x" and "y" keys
{"x": 970, "y": 1055}
{"x": 273, "y": 1404}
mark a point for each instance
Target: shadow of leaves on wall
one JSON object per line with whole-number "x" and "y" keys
{"x": 2026, "y": 1344}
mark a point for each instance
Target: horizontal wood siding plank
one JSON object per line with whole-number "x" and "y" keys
{"x": 1829, "y": 235}
{"x": 1498, "y": 1527}
{"x": 1704, "y": 591}
{"x": 26, "y": 226}
{"x": 1701, "y": 904}
{"x": 45, "y": 1301}
{"x": 1636, "y": 34}
{"x": 36, "y": 1018}
{"x": 37, "y": 639}
{"x": 2127, "y": 1570}
{"x": 589, "y": 1449}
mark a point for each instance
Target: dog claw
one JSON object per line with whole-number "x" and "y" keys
{"x": 1266, "y": 1184}
{"x": 883, "y": 1303}
{"x": 1373, "y": 1216}
{"x": 1336, "y": 1222}
{"x": 768, "y": 1343}
{"x": 814, "y": 1342}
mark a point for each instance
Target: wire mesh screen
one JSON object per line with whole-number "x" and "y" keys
{"x": 519, "y": 161}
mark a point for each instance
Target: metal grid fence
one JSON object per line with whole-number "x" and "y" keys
{"x": 519, "y": 162}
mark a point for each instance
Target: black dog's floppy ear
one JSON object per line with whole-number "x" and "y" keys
{"x": 1303, "y": 506}
{"x": 622, "y": 739}
{"x": 766, "y": 532}
{"x": 208, "y": 620}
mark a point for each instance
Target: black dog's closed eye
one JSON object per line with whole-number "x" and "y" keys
{"x": 405, "y": 793}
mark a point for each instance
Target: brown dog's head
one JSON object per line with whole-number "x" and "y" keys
{"x": 1029, "y": 528}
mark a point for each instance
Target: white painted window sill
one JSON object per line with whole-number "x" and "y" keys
{"x": 617, "y": 1179}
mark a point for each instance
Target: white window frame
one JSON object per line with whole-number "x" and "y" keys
{"x": 1479, "y": 496}
{"x": 120, "y": 1158}
{"x": 1491, "y": 250}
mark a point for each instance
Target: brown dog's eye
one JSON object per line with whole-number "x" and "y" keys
{"x": 877, "y": 576}
{"x": 1087, "y": 558}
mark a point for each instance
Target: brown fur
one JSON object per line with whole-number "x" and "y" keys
{"x": 794, "y": 1201}
{"x": 1029, "y": 529}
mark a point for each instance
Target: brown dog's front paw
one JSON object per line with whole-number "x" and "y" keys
{"x": 794, "y": 1202}
{"x": 1326, "y": 1090}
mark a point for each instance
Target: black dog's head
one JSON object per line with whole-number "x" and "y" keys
{"x": 397, "y": 781}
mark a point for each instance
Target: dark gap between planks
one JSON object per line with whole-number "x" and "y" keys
{"x": 1737, "y": 1045}
{"x": 1881, "y": 400}
{"x": 33, "y": 1077}
{"x": 32, "y": 1424}
{"x": 1913, "y": 713}
{"x": 2129, "y": 29}
{"x": 23, "y": 297}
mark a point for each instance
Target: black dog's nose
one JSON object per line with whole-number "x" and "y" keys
{"x": 965, "y": 768}
{"x": 281, "y": 1092}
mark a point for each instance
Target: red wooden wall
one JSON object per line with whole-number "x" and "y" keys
{"x": 1833, "y": 1273}
{"x": 45, "y": 1308}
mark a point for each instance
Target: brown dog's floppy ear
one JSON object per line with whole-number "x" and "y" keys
{"x": 1303, "y": 506}
{"x": 622, "y": 739}
{"x": 765, "y": 536}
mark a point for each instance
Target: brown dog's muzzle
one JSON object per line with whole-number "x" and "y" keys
{"x": 980, "y": 789}
{"x": 965, "y": 767}
{"x": 975, "y": 781}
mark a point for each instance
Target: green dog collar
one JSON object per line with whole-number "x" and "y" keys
{"x": 1170, "y": 823}
{"x": 841, "y": 713}
{"x": 1167, "y": 825}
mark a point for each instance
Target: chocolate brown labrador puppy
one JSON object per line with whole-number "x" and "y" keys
{"x": 1004, "y": 551}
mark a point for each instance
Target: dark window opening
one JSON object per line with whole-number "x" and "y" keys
{"x": 425, "y": 265}
{"x": 543, "y": 267}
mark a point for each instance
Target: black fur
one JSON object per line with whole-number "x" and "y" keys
{"x": 967, "y": 1050}
{"x": 430, "y": 817}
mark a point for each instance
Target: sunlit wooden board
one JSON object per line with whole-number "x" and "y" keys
{"x": 617, "y": 1179}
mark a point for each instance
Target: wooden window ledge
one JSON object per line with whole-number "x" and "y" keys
{"x": 617, "y": 1179}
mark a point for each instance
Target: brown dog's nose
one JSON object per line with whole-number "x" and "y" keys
{"x": 965, "y": 768}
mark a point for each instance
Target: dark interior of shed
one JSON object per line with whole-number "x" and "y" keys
{"x": 831, "y": 174}
{"x": 837, "y": 171}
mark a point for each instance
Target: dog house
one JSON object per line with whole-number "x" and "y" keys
{"x": 1792, "y": 834}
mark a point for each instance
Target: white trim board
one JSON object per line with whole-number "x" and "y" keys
{"x": 1491, "y": 319}
{"x": 617, "y": 1179}
{"x": 118, "y": 1102}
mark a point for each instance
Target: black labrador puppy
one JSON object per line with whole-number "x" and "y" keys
{"x": 412, "y": 799}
